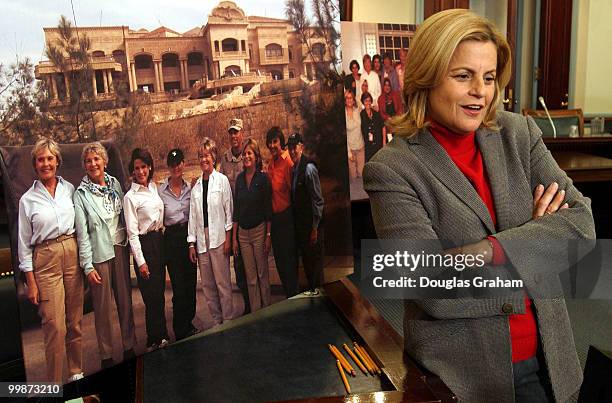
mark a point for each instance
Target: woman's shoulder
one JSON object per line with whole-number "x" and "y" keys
{"x": 517, "y": 131}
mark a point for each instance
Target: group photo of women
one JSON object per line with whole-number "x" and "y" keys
{"x": 372, "y": 97}
{"x": 111, "y": 263}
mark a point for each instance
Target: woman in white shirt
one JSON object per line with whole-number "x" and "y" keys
{"x": 48, "y": 256}
{"x": 144, "y": 217}
{"x": 209, "y": 231}
{"x": 103, "y": 252}
{"x": 354, "y": 138}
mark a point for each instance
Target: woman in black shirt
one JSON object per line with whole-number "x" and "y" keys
{"x": 252, "y": 215}
{"x": 372, "y": 127}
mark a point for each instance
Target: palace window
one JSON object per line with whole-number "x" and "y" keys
{"x": 274, "y": 50}
{"x": 170, "y": 60}
{"x": 229, "y": 45}
{"x": 143, "y": 62}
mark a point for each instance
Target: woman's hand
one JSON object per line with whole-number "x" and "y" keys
{"x": 314, "y": 236}
{"x": 144, "y": 271}
{"x": 548, "y": 201}
{"x": 235, "y": 247}
{"x": 268, "y": 244}
{"x": 33, "y": 295}
{"x": 193, "y": 256}
{"x": 94, "y": 278}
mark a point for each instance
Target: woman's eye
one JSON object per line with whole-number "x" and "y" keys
{"x": 490, "y": 79}
{"x": 463, "y": 76}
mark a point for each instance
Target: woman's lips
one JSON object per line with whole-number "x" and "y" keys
{"x": 472, "y": 110}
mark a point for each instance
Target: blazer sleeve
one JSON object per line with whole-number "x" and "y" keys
{"x": 192, "y": 224}
{"x": 83, "y": 239}
{"x": 398, "y": 213}
{"x": 228, "y": 203}
{"x": 575, "y": 222}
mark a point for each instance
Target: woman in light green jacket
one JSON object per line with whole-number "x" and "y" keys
{"x": 103, "y": 252}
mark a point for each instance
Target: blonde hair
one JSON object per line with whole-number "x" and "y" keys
{"x": 49, "y": 144}
{"x": 428, "y": 59}
{"x": 209, "y": 145}
{"x": 253, "y": 145}
{"x": 97, "y": 148}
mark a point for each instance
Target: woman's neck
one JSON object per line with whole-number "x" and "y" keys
{"x": 98, "y": 181}
{"x": 249, "y": 170}
{"x": 176, "y": 181}
{"x": 50, "y": 184}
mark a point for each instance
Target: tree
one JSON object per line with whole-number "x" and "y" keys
{"x": 70, "y": 55}
{"x": 321, "y": 105}
{"x": 325, "y": 26}
{"x": 19, "y": 116}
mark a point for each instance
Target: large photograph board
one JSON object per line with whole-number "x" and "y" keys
{"x": 136, "y": 81}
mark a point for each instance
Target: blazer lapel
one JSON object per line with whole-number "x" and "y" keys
{"x": 94, "y": 204}
{"x": 433, "y": 155}
{"x": 491, "y": 148}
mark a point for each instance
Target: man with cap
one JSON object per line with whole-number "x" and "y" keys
{"x": 308, "y": 212}
{"x": 282, "y": 232}
{"x": 176, "y": 195}
{"x": 231, "y": 166}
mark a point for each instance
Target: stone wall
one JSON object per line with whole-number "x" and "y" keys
{"x": 187, "y": 133}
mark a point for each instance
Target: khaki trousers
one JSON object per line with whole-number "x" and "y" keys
{"x": 115, "y": 275}
{"x": 216, "y": 281}
{"x": 252, "y": 243}
{"x": 60, "y": 286}
{"x": 356, "y": 166}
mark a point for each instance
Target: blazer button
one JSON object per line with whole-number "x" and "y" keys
{"x": 507, "y": 308}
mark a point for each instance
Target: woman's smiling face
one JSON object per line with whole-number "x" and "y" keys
{"x": 464, "y": 97}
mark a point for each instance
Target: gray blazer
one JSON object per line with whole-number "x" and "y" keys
{"x": 417, "y": 192}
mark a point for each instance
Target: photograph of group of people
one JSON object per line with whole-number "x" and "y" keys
{"x": 240, "y": 221}
{"x": 373, "y": 86}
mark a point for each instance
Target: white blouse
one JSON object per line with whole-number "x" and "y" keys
{"x": 144, "y": 212}
{"x": 43, "y": 217}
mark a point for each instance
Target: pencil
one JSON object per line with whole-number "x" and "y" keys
{"x": 363, "y": 359}
{"x": 354, "y": 357}
{"x": 339, "y": 358}
{"x": 369, "y": 358}
{"x": 344, "y": 361}
{"x": 344, "y": 380}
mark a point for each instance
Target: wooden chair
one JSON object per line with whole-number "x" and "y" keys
{"x": 562, "y": 118}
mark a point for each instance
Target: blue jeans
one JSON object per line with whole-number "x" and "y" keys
{"x": 531, "y": 382}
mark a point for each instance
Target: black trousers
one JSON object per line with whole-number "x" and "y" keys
{"x": 183, "y": 276}
{"x": 312, "y": 256}
{"x": 531, "y": 381}
{"x": 283, "y": 245}
{"x": 241, "y": 281}
{"x": 153, "y": 288}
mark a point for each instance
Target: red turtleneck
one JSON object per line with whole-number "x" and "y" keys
{"x": 464, "y": 151}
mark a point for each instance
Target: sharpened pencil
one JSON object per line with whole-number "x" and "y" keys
{"x": 344, "y": 380}
{"x": 354, "y": 357}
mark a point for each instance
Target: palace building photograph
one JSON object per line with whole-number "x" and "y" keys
{"x": 230, "y": 49}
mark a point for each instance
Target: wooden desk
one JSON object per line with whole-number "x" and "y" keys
{"x": 582, "y": 167}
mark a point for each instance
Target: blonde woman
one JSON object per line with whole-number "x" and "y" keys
{"x": 209, "y": 232}
{"x": 103, "y": 252}
{"x": 354, "y": 138}
{"x": 48, "y": 256}
{"x": 252, "y": 224}
{"x": 459, "y": 169}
